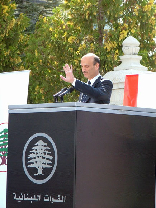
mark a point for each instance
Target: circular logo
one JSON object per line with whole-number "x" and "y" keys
{"x": 39, "y": 158}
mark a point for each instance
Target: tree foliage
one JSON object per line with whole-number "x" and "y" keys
{"x": 48, "y": 50}
{"x": 140, "y": 20}
{"x": 12, "y": 37}
{"x": 34, "y": 8}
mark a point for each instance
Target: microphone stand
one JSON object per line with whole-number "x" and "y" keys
{"x": 61, "y": 93}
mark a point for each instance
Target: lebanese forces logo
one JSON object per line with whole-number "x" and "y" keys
{"x": 39, "y": 158}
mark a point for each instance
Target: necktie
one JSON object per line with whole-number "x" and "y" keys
{"x": 84, "y": 97}
{"x": 89, "y": 83}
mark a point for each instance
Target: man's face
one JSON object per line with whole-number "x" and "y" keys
{"x": 89, "y": 70}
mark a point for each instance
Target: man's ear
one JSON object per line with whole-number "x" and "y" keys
{"x": 97, "y": 66}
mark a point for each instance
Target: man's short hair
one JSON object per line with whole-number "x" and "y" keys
{"x": 96, "y": 58}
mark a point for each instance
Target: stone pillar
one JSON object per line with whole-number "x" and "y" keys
{"x": 130, "y": 65}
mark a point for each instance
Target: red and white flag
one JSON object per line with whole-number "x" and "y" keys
{"x": 13, "y": 91}
{"x": 140, "y": 90}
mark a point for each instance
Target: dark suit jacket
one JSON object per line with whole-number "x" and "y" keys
{"x": 99, "y": 92}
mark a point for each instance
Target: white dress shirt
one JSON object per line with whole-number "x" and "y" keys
{"x": 92, "y": 80}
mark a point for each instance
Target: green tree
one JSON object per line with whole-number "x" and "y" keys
{"x": 34, "y": 8}
{"x": 77, "y": 27}
{"x": 12, "y": 37}
{"x": 140, "y": 22}
{"x": 47, "y": 51}
{"x": 108, "y": 24}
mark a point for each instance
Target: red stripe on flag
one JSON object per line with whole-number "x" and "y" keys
{"x": 3, "y": 123}
{"x": 131, "y": 90}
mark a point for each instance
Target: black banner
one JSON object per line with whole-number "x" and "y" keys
{"x": 41, "y": 160}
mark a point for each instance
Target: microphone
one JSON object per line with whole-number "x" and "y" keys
{"x": 68, "y": 90}
{"x": 58, "y": 93}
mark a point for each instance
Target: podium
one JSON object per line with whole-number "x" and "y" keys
{"x": 79, "y": 155}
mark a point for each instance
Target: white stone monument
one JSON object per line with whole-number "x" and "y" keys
{"x": 130, "y": 65}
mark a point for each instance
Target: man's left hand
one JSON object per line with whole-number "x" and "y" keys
{"x": 69, "y": 74}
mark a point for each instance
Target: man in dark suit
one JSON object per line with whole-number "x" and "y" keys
{"x": 97, "y": 89}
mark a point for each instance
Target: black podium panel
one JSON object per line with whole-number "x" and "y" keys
{"x": 41, "y": 160}
{"x": 81, "y": 156}
{"x": 116, "y": 154}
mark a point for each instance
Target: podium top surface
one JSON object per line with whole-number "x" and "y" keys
{"x": 77, "y": 106}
